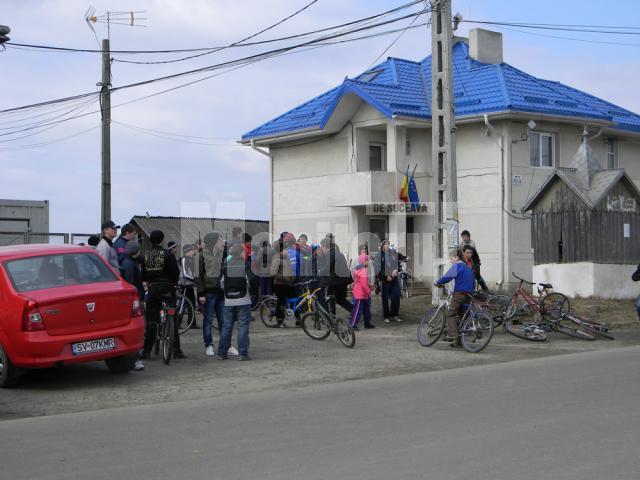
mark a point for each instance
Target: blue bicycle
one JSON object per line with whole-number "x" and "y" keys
{"x": 294, "y": 307}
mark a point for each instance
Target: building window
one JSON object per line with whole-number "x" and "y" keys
{"x": 542, "y": 149}
{"x": 611, "y": 153}
{"x": 377, "y": 160}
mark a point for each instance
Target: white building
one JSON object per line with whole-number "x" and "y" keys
{"x": 346, "y": 150}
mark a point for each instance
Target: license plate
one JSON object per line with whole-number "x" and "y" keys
{"x": 93, "y": 346}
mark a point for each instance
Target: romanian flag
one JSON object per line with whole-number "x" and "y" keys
{"x": 413, "y": 191}
{"x": 404, "y": 189}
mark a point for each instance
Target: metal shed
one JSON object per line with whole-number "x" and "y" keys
{"x": 187, "y": 230}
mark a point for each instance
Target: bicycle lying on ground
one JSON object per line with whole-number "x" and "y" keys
{"x": 550, "y": 305}
{"x": 475, "y": 327}
{"x": 318, "y": 323}
{"x": 576, "y": 326}
{"x": 293, "y": 306}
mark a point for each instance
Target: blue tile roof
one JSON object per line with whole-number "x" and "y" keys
{"x": 403, "y": 87}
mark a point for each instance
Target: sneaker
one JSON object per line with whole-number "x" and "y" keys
{"x": 387, "y": 320}
{"x": 179, "y": 354}
{"x": 370, "y": 326}
{"x": 397, "y": 319}
{"x": 455, "y": 344}
{"x": 138, "y": 366}
{"x": 233, "y": 351}
{"x": 209, "y": 351}
{"x": 222, "y": 357}
{"x": 244, "y": 358}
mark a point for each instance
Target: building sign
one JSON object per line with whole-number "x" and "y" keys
{"x": 395, "y": 208}
{"x": 620, "y": 203}
{"x": 517, "y": 179}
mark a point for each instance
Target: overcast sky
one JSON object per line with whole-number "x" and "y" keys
{"x": 165, "y": 177}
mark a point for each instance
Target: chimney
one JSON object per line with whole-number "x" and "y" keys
{"x": 485, "y": 46}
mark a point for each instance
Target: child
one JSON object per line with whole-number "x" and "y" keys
{"x": 361, "y": 294}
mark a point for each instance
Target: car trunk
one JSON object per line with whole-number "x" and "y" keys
{"x": 84, "y": 308}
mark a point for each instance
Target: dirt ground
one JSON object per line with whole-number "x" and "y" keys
{"x": 285, "y": 358}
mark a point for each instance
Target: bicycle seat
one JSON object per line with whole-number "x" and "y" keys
{"x": 479, "y": 296}
{"x": 545, "y": 285}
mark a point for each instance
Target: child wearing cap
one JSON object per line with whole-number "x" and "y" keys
{"x": 361, "y": 294}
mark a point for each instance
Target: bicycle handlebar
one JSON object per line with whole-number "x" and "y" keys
{"x": 522, "y": 279}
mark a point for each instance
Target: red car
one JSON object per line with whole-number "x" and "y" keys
{"x": 61, "y": 305}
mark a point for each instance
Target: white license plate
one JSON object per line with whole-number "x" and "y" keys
{"x": 93, "y": 346}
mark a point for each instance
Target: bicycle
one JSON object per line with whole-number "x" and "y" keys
{"x": 165, "y": 334}
{"x": 496, "y": 305}
{"x": 576, "y": 326}
{"x": 185, "y": 309}
{"x": 405, "y": 279}
{"x": 292, "y": 308}
{"x": 319, "y": 323}
{"x": 550, "y": 305}
{"x": 475, "y": 327}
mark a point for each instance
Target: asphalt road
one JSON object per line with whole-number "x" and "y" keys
{"x": 566, "y": 417}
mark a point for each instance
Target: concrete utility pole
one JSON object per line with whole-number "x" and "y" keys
{"x": 105, "y": 108}
{"x": 443, "y": 154}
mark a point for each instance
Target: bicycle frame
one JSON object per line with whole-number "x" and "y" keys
{"x": 534, "y": 302}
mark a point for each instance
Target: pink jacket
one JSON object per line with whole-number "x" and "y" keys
{"x": 361, "y": 288}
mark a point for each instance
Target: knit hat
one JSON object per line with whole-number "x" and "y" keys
{"x": 171, "y": 244}
{"x": 362, "y": 259}
{"x": 188, "y": 248}
{"x": 131, "y": 248}
{"x": 156, "y": 237}
{"x": 289, "y": 239}
{"x": 211, "y": 238}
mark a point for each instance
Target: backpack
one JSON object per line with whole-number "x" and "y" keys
{"x": 235, "y": 279}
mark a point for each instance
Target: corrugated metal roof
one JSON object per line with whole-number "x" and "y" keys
{"x": 187, "y": 230}
{"x": 403, "y": 87}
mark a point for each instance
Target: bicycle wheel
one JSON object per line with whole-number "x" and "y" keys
{"x": 268, "y": 312}
{"x": 476, "y": 331}
{"x": 498, "y": 305}
{"x": 431, "y": 326}
{"x": 315, "y": 326}
{"x": 405, "y": 287}
{"x": 167, "y": 339}
{"x": 185, "y": 314}
{"x": 576, "y": 331}
{"x": 554, "y": 306}
{"x": 345, "y": 333}
{"x": 525, "y": 330}
{"x": 514, "y": 305}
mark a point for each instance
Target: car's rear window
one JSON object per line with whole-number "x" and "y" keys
{"x": 49, "y": 271}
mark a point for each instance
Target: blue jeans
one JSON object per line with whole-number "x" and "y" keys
{"x": 242, "y": 315}
{"x": 638, "y": 306}
{"x": 213, "y": 301}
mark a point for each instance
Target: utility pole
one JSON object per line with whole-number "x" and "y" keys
{"x": 105, "y": 109}
{"x": 443, "y": 154}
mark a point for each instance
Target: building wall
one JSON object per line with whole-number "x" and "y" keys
{"x": 20, "y": 215}
{"x": 317, "y": 186}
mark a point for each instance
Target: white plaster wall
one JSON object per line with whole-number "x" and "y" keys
{"x": 629, "y": 159}
{"x": 586, "y": 279}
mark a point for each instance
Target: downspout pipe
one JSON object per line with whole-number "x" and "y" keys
{"x": 493, "y": 132}
{"x": 593, "y": 137}
{"x": 267, "y": 154}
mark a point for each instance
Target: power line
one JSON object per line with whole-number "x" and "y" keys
{"x": 231, "y": 63}
{"x": 573, "y": 39}
{"x": 173, "y": 137}
{"x": 228, "y": 46}
{"x": 48, "y": 142}
{"x": 393, "y": 42}
{"x": 559, "y": 27}
{"x": 201, "y": 49}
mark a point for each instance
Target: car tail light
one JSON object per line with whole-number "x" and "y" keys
{"x": 31, "y": 318}
{"x": 136, "y": 307}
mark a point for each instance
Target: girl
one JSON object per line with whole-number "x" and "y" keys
{"x": 361, "y": 294}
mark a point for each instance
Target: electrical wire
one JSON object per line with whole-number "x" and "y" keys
{"x": 231, "y": 63}
{"x": 563, "y": 28}
{"x": 393, "y": 42}
{"x": 201, "y": 49}
{"x": 280, "y": 22}
{"x": 168, "y": 136}
{"x": 48, "y": 142}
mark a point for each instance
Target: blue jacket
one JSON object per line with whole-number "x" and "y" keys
{"x": 462, "y": 275}
{"x": 119, "y": 245}
{"x": 130, "y": 271}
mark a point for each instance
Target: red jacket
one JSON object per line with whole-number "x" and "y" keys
{"x": 361, "y": 287}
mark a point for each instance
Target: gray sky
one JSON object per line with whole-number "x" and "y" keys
{"x": 167, "y": 177}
